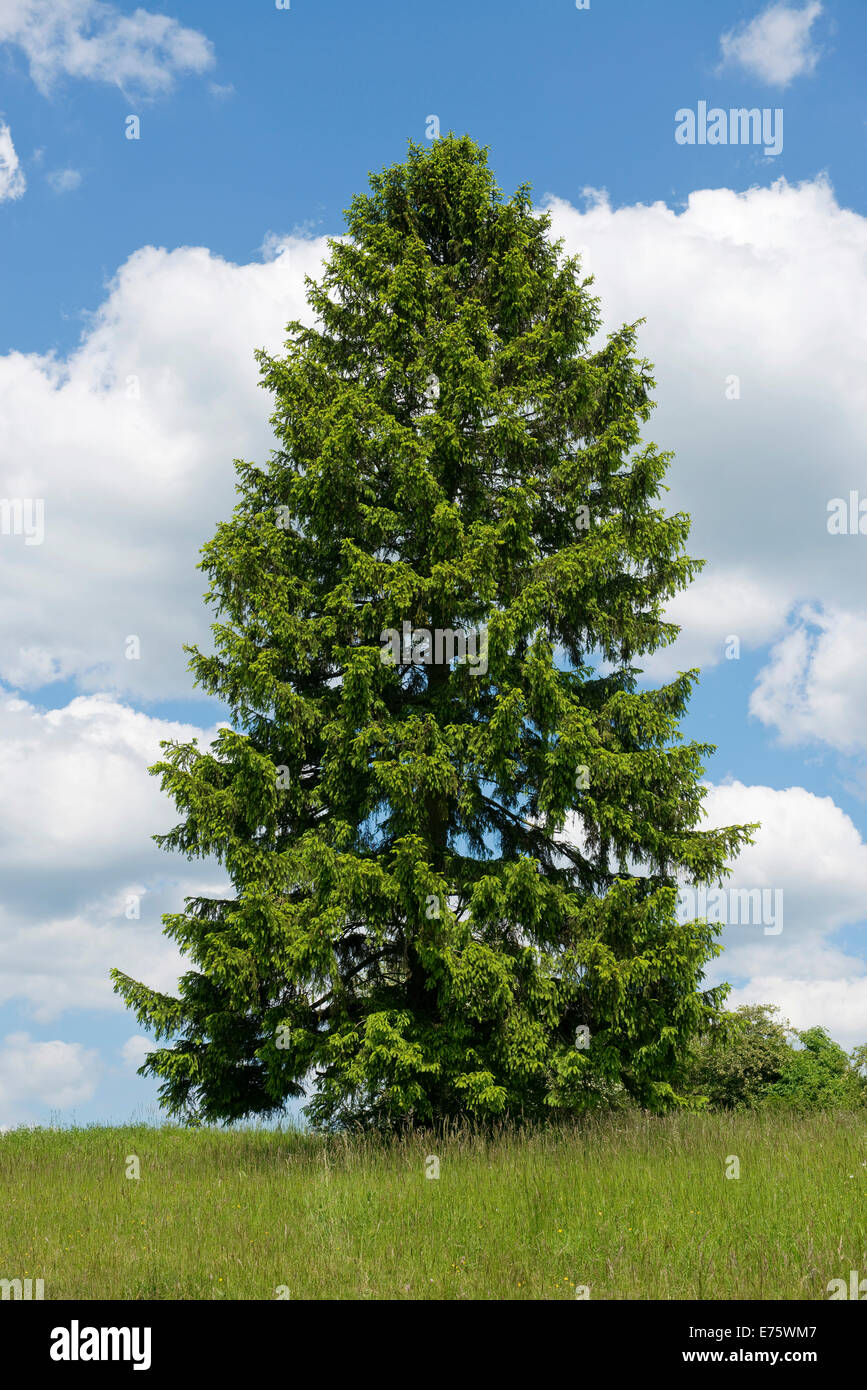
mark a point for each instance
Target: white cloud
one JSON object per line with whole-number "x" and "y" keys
{"x": 76, "y": 820}
{"x": 63, "y": 963}
{"x": 55, "y": 1074}
{"x": 802, "y": 880}
{"x": 94, "y": 40}
{"x": 814, "y": 687}
{"x": 135, "y": 1049}
{"x": 807, "y": 845}
{"x": 777, "y": 46}
{"x": 840, "y": 1005}
{"x": 811, "y": 850}
{"x": 129, "y": 442}
{"x": 720, "y": 604}
{"x": 64, "y": 180}
{"x": 80, "y": 775}
{"x": 756, "y": 323}
{"x": 12, "y": 180}
{"x": 274, "y": 244}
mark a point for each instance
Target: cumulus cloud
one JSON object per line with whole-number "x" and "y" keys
{"x": 56, "y": 1074}
{"x": 777, "y": 46}
{"x": 83, "y": 885}
{"x": 12, "y": 180}
{"x": 810, "y": 852}
{"x": 719, "y": 605}
{"x": 80, "y": 775}
{"x": 838, "y": 1004}
{"x": 802, "y": 881}
{"x": 129, "y": 443}
{"x": 814, "y": 687}
{"x": 93, "y": 40}
{"x": 63, "y": 964}
{"x": 755, "y": 307}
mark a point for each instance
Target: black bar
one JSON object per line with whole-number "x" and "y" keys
{"x": 251, "y": 1338}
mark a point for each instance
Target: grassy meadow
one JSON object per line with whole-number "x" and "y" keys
{"x": 631, "y": 1206}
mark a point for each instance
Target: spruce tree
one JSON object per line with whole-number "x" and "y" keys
{"x": 453, "y": 823}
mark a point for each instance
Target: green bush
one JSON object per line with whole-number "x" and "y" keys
{"x": 735, "y": 1068}
{"x": 817, "y": 1076}
{"x": 759, "y": 1060}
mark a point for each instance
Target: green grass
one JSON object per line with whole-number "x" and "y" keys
{"x": 633, "y": 1207}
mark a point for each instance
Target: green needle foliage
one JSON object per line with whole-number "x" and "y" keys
{"x": 454, "y": 883}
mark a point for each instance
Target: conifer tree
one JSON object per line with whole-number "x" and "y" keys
{"x": 453, "y": 823}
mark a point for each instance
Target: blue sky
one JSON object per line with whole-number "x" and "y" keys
{"x": 138, "y": 275}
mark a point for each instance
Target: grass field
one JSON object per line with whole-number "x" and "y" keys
{"x": 630, "y": 1206}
